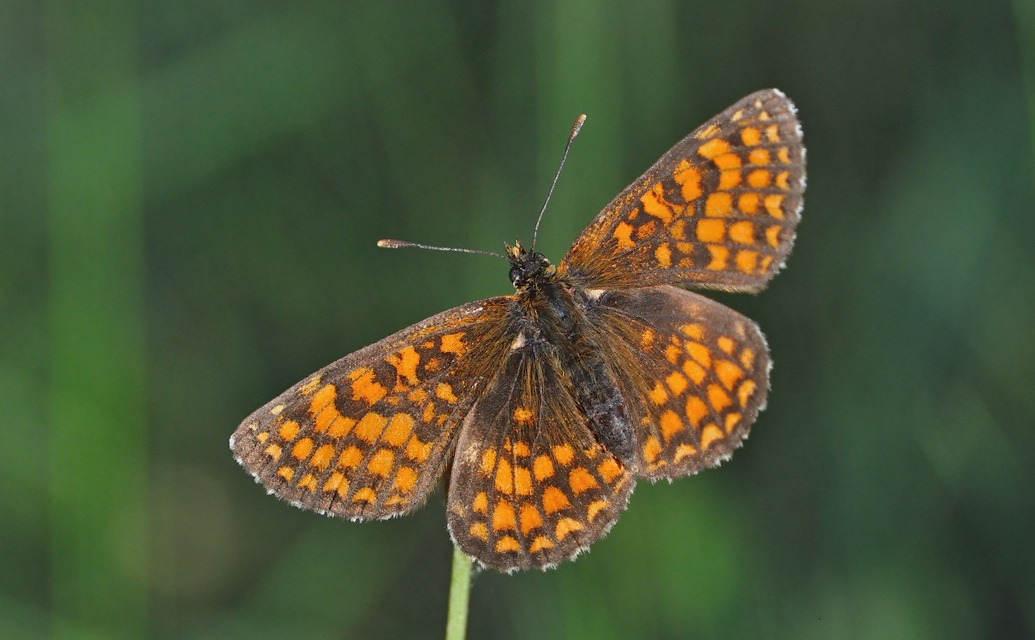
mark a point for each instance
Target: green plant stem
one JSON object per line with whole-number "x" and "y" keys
{"x": 459, "y": 594}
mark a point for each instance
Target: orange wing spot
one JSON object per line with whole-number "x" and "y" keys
{"x": 308, "y": 481}
{"x": 594, "y": 508}
{"x": 718, "y": 398}
{"x": 713, "y": 148}
{"x": 310, "y": 386}
{"x": 664, "y": 255}
{"x": 542, "y": 468}
{"x": 774, "y": 205}
{"x": 759, "y": 178}
{"x": 647, "y": 338}
{"x": 453, "y": 343}
{"x": 670, "y": 425}
{"x": 710, "y": 230}
{"x": 772, "y": 132}
{"x": 365, "y": 388}
{"x": 751, "y": 136}
{"x": 745, "y": 391}
{"x": 417, "y": 396}
{"x": 521, "y": 449}
{"x": 530, "y": 519}
{"x": 554, "y": 500}
{"x": 507, "y": 543}
{"x": 504, "y": 477}
{"x": 692, "y": 330}
{"x": 277, "y": 409}
{"x": 503, "y": 517}
{"x": 743, "y": 232}
{"x": 646, "y": 230}
{"x": 444, "y": 391}
{"x": 432, "y": 365}
{"x": 784, "y": 155}
{"x": 322, "y": 458}
{"x": 729, "y": 179}
{"x": 322, "y": 398}
{"x": 672, "y": 353}
{"x": 366, "y": 494}
{"x": 651, "y": 449}
{"x": 480, "y": 531}
{"x": 738, "y": 114}
{"x": 480, "y": 504}
{"x": 609, "y": 469}
{"x": 676, "y": 383}
{"x": 748, "y": 203}
{"x": 334, "y": 482}
{"x": 429, "y": 412}
{"x": 772, "y": 235}
{"x": 747, "y": 358}
{"x": 399, "y": 429}
{"x": 350, "y": 457}
{"x": 566, "y": 526}
{"x": 623, "y": 234}
{"x": 710, "y": 434}
{"x": 262, "y": 437}
{"x": 699, "y": 352}
{"x": 759, "y": 156}
{"x": 694, "y": 371}
{"x": 728, "y": 161}
{"x": 658, "y": 395}
{"x": 781, "y": 180}
{"x": 563, "y": 453}
{"x": 370, "y": 427}
{"x": 341, "y": 426}
{"x": 747, "y": 261}
{"x": 286, "y": 472}
{"x": 522, "y": 416}
{"x": 728, "y": 373}
{"x": 689, "y": 180}
{"x": 720, "y": 256}
{"x": 732, "y": 420}
{"x": 302, "y": 449}
{"x": 766, "y": 261}
{"x": 581, "y": 480}
{"x": 726, "y": 344}
{"x": 488, "y": 461}
{"x": 540, "y": 543}
{"x": 381, "y": 463}
{"x": 288, "y": 430}
{"x": 405, "y": 479}
{"x": 696, "y": 410}
{"x": 707, "y": 132}
{"x": 718, "y": 205}
{"x": 405, "y": 363}
{"x": 522, "y": 481}
{"x": 417, "y": 450}
{"x": 683, "y": 451}
{"x": 654, "y": 204}
{"x": 677, "y": 230}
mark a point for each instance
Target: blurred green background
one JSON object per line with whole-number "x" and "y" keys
{"x": 190, "y": 196}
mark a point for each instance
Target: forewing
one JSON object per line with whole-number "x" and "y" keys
{"x": 717, "y": 211}
{"x": 530, "y": 486}
{"x": 367, "y": 436}
{"x": 694, "y": 374}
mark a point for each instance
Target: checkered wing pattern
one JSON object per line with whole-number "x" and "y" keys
{"x": 531, "y": 486}
{"x": 368, "y": 436}
{"x": 694, "y": 374}
{"x": 717, "y": 211}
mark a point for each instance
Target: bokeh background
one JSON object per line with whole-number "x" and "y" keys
{"x": 190, "y": 196}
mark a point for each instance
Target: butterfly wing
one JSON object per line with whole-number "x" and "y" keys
{"x": 530, "y": 485}
{"x": 717, "y": 211}
{"x": 368, "y": 436}
{"x": 694, "y": 374}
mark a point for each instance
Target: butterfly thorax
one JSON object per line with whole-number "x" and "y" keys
{"x": 555, "y": 328}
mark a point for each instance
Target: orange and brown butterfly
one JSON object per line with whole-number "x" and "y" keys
{"x": 544, "y": 407}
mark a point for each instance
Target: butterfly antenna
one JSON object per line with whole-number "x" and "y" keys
{"x": 402, "y": 244}
{"x": 575, "y": 128}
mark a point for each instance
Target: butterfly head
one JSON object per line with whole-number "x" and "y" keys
{"x": 527, "y": 267}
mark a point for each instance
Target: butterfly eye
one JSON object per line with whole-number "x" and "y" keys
{"x": 515, "y": 275}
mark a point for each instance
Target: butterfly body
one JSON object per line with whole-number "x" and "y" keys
{"x": 542, "y": 408}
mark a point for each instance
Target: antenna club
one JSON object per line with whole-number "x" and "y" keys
{"x": 391, "y": 244}
{"x": 577, "y": 126}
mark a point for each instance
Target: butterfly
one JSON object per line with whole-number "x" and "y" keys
{"x": 543, "y": 408}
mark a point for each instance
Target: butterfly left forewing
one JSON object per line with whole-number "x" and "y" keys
{"x": 367, "y": 436}
{"x": 694, "y": 375}
{"x": 718, "y": 210}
